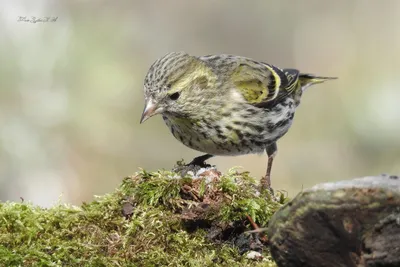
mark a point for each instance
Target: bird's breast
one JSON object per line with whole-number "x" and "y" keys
{"x": 233, "y": 130}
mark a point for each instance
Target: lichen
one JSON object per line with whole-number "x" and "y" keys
{"x": 152, "y": 219}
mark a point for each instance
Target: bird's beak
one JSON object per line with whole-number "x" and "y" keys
{"x": 150, "y": 110}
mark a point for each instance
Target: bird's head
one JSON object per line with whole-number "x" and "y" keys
{"x": 173, "y": 85}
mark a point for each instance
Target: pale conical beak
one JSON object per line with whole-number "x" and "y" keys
{"x": 149, "y": 110}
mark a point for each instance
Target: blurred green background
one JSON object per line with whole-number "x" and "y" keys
{"x": 71, "y": 90}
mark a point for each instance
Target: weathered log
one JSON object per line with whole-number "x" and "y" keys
{"x": 347, "y": 223}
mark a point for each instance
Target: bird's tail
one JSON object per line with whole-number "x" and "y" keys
{"x": 307, "y": 80}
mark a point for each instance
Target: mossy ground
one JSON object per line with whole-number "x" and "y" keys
{"x": 152, "y": 219}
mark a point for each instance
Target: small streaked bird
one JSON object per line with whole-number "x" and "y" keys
{"x": 224, "y": 104}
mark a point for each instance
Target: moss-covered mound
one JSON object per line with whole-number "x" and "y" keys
{"x": 152, "y": 219}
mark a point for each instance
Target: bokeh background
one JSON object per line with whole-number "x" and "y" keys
{"x": 71, "y": 90}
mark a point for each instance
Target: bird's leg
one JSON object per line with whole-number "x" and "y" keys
{"x": 271, "y": 149}
{"x": 200, "y": 161}
{"x": 267, "y": 179}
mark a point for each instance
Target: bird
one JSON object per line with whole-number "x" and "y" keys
{"x": 225, "y": 105}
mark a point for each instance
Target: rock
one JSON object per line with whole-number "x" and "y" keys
{"x": 348, "y": 223}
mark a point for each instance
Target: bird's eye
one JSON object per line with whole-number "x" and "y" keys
{"x": 174, "y": 96}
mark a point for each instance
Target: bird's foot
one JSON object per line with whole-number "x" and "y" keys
{"x": 194, "y": 166}
{"x": 265, "y": 184}
{"x": 198, "y": 162}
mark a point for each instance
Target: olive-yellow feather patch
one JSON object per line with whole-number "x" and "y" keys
{"x": 234, "y": 138}
{"x": 257, "y": 84}
{"x": 254, "y": 91}
{"x": 196, "y": 73}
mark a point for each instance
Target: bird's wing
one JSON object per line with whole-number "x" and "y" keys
{"x": 263, "y": 84}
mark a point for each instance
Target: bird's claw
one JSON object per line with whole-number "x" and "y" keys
{"x": 194, "y": 166}
{"x": 199, "y": 163}
{"x": 265, "y": 184}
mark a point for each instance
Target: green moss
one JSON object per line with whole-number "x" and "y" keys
{"x": 152, "y": 219}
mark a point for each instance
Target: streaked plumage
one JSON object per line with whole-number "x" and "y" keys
{"x": 224, "y": 104}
